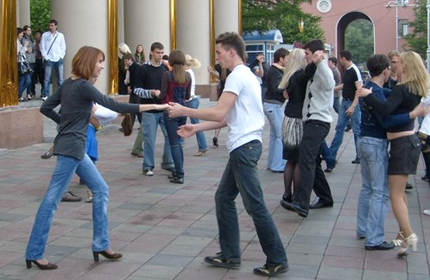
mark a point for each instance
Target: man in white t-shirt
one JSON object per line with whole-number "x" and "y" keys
{"x": 240, "y": 108}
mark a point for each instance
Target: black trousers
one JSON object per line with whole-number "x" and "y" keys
{"x": 311, "y": 174}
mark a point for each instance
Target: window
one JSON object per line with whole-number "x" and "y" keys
{"x": 403, "y": 27}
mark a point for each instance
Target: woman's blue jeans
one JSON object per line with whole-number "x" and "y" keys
{"x": 60, "y": 180}
{"x": 275, "y": 115}
{"x": 241, "y": 176}
{"x": 172, "y": 125}
{"x": 24, "y": 80}
{"x": 201, "y": 139}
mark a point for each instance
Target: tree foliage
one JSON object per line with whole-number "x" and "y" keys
{"x": 40, "y": 13}
{"x": 284, "y": 15}
{"x": 417, "y": 40}
{"x": 359, "y": 40}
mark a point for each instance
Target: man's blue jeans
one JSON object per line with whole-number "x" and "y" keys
{"x": 201, "y": 139}
{"x": 60, "y": 180}
{"x": 150, "y": 122}
{"x": 58, "y": 66}
{"x": 341, "y": 125}
{"x": 172, "y": 125}
{"x": 241, "y": 176}
{"x": 275, "y": 115}
{"x": 374, "y": 196}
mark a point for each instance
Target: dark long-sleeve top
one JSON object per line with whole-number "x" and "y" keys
{"x": 297, "y": 89}
{"x": 273, "y": 93}
{"x": 76, "y": 98}
{"x": 167, "y": 85}
{"x": 374, "y": 124}
{"x": 400, "y": 101}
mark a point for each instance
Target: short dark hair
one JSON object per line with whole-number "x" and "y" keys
{"x": 346, "y": 54}
{"x": 333, "y": 60}
{"x": 232, "y": 40}
{"x": 53, "y": 21}
{"x": 26, "y": 27}
{"x": 281, "y": 52}
{"x": 128, "y": 56}
{"x": 19, "y": 30}
{"x": 377, "y": 63}
{"x": 314, "y": 45}
{"x": 157, "y": 45}
{"x": 166, "y": 57}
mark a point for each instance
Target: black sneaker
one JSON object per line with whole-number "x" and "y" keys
{"x": 215, "y": 141}
{"x": 356, "y": 160}
{"x": 219, "y": 261}
{"x": 425, "y": 178}
{"x": 409, "y": 186}
{"x": 271, "y": 270}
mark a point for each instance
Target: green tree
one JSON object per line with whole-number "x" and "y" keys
{"x": 359, "y": 40}
{"x": 284, "y": 15}
{"x": 40, "y": 13}
{"x": 417, "y": 40}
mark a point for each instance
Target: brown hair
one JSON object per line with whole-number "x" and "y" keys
{"x": 84, "y": 61}
{"x": 231, "y": 40}
{"x": 177, "y": 61}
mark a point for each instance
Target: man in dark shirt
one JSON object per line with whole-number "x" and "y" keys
{"x": 348, "y": 107}
{"x": 152, "y": 74}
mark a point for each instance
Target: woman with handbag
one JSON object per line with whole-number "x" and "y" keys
{"x": 24, "y": 70}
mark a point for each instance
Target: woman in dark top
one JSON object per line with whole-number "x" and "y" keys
{"x": 76, "y": 96}
{"x": 405, "y": 145}
{"x": 176, "y": 87}
{"x": 294, "y": 81}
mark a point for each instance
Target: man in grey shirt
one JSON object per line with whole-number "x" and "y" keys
{"x": 332, "y": 64}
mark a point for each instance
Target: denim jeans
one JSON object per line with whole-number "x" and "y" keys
{"x": 341, "y": 125}
{"x": 241, "y": 176}
{"x": 374, "y": 196}
{"x": 60, "y": 180}
{"x": 201, "y": 139}
{"x": 336, "y": 104}
{"x": 172, "y": 125}
{"x": 150, "y": 122}
{"x": 24, "y": 81}
{"x": 58, "y": 67}
{"x": 275, "y": 116}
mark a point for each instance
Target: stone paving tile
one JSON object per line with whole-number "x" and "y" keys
{"x": 154, "y": 223}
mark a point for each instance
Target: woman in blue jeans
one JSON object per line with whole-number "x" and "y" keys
{"x": 176, "y": 87}
{"x": 76, "y": 96}
{"x": 194, "y": 103}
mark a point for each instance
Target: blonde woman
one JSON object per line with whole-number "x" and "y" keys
{"x": 122, "y": 72}
{"x": 405, "y": 144}
{"x": 294, "y": 82}
{"x": 194, "y": 102}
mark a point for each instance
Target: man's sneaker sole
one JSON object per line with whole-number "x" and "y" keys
{"x": 218, "y": 262}
{"x": 148, "y": 173}
{"x": 271, "y": 271}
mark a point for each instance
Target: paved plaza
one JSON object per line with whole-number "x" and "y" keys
{"x": 165, "y": 230}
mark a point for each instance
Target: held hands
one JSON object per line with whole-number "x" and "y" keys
{"x": 161, "y": 107}
{"x": 363, "y": 92}
{"x": 317, "y": 57}
{"x": 175, "y": 110}
{"x": 210, "y": 69}
{"x": 186, "y": 130}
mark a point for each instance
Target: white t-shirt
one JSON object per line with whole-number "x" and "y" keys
{"x": 193, "y": 83}
{"x": 425, "y": 125}
{"x": 245, "y": 120}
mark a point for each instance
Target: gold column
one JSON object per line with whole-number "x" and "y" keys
{"x": 172, "y": 25}
{"x": 240, "y": 17}
{"x": 112, "y": 46}
{"x": 212, "y": 34}
{"x": 8, "y": 60}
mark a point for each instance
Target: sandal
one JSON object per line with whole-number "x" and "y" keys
{"x": 399, "y": 239}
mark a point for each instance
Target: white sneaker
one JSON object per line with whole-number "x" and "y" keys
{"x": 426, "y": 212}
{"x": 44, "y": 98}
{"x": 147, "y": 172}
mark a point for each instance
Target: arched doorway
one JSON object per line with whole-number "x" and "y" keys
{"x": 343, "y": 23}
